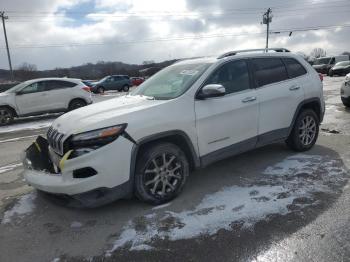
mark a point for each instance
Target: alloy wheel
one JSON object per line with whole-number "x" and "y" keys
{"x": 163, "y": 175}
{"x": 307, "y": 130}
{"x": 5, "y": 116}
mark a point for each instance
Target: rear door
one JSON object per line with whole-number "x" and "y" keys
{"x": 279, "y": 97}
{"x": 33, "y": 99}
{"x": 228, "y": 123}
{"x": 59, "y": 93}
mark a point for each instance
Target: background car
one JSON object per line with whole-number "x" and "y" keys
{"x": 340, "y": 68}
{"x": 324, "y": 64}
{"x": 136, "y": 81}
{"x": 114, "y": 82}
{"x": 44, "y": 95}
{"x": 345, "y": 91}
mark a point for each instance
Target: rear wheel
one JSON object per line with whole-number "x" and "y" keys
{"x": 161, "y": 173}
{"x": 76, "y": 103}
{"x": 6, "y": 116}
{"x": 100, "y": 90}
{"x": 305, "y": 131}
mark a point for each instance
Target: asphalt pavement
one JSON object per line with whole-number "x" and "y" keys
{"x": 270, "y": 204}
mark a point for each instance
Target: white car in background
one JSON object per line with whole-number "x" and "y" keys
{"x": 345, "y": 91}
{"x": 43, "y": 95}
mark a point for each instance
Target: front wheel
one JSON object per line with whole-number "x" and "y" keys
{"x": 161, "y": 173}
{"x": 126, "y": 88}
{"x": 6, "y": 116}
{"x": 305, "y": 131}
{"x": 346, "y": 101}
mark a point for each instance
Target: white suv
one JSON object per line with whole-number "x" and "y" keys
{"x": 44, "y": 95}
{"x": 345, "y": 91}
{"x": 187, "y": 116}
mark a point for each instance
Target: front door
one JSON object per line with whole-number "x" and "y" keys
{"x": 33, "y": 99}
{"x": 228, "y": 123}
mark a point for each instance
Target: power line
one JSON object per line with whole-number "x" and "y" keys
{"x": 285, "y": 30}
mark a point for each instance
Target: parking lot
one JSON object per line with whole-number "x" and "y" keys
{"x": 265, "y": 205}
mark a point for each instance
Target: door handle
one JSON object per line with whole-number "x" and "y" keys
{"x": 249, "y": 99}
{"x": 293, "y": 88}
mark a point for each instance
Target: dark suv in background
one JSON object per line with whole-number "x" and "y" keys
{"x": 114, "y": 82}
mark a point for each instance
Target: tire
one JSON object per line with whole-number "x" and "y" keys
{"x": 6, "y": 116}
{"x": 305, "y": 131}
{"x": 346, "y": 101}
{"x": 100, "y": 90}
{"x": 76, "y": 103}
{"x": 126, "y": 88}
{"x": 331, "y": 73}
{"x": 156, "y": 181}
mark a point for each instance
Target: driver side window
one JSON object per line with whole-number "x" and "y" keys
{"x": 33, "y": 88}
{"x": 234, "y": 76}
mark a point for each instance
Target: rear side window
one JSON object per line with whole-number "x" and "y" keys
{"x": 269, "y": 70}
{"x": 55, "y": 84}
{"x": 294, "y": 68}
{"x": 234, "y": 76}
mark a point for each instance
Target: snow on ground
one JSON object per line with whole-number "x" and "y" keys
{"x": 335, "y": 117}
{"x": 288, "y": 183}
{"x": 10, "y": 167}
{"x": 38, "y": 124}
{"x": 24, "y": 206}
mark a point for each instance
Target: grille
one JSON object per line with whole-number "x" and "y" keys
{"x": 55, "y": 140}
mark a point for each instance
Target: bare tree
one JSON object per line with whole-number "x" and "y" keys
{"x": 318, "y": 52}
{"x": 26, "y": 71}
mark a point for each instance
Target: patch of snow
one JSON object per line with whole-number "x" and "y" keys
{"x": 285, "y": 183}
{"x": 27, "y": 126}
{"x": 162, "y": 206}
{"x": 142, "y": 247}
{"x": 24, "y": 206}
{"x": 76, "y": 225}
{"x": 16, "y": 139}
{"x": 10, "y": 167}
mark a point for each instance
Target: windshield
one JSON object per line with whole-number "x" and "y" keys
{"x": 17, "y": 87}
{"x": 103, "y": 79}
{"x": 344, "y": 63}
{"x": 322, "y": 61}
{"x": 172, "y": 81}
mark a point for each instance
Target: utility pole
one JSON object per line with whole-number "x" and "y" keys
{"x": 267, "y": 19}
{"x": 3, "y": 17}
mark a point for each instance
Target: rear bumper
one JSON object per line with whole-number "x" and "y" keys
{"x": 111, "y": 180}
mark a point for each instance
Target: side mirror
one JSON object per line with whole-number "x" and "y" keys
{"x": 211, "y": 90}
{"x": 19, "y": 93}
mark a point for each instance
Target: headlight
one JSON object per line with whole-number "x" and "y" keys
{"x": 347, "y": 78}
{"x": 97, "y": 138}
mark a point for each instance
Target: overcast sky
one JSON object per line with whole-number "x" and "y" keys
{"x": 62, "y": 33}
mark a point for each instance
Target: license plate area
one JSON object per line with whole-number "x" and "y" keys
{"x": 37, "y": 156}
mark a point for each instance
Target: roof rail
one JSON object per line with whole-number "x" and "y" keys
{"x": 265, "y": 50}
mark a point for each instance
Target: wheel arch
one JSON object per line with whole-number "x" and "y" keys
{"x": 176, "y": 137}
{"x": 77, "y": 99}
{"x": 311, "y": 103}
{"x": 11, "y": 108}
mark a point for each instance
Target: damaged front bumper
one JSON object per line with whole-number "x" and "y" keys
{"x": 56, "y": 175}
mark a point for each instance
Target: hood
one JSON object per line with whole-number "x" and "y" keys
{"x": 111, "y": 112}
{"x": 339, "y": 67}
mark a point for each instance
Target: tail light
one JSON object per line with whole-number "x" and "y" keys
{"x": 321, "y": 77}
{"x": 86, "y": 88}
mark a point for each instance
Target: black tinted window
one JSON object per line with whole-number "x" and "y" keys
{"x": 294, "y": 68}
{"x": 55, "y": 84}
{"x": 233, "y": 76}
{"x": 269, "y": 70}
